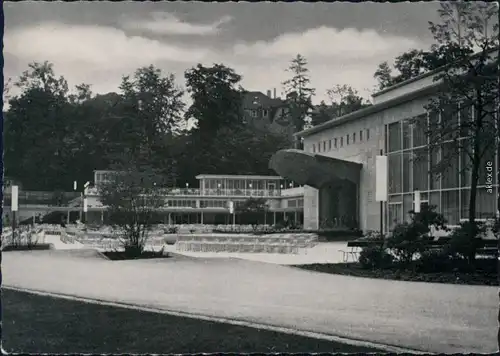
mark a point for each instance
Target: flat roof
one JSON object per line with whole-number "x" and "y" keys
{"x": 223, "y": 176}
{"x": 369, "y": 110}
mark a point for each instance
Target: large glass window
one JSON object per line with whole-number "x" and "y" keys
{"x": 465, "y": 166}
{"x": 435, "y": 199}
{"x": 449, "y": 122}
{"x": 406, "y": 134}
{"x": 407, "y": 171}
{"x": 419, "y": 130}
{"x": 464, "y": 203}
{"x": 420, "y": 169}
{"x": 395, "y": 178}
{"x": 395, "y": 215}
{"x": 450, "y": 206}
{"x": 465, "y": 119}
{"x": 435, "y": 178}
{"x": 452, "y": 172}
{"x": 394, "y": 131}
{"x": 407, "y": 206}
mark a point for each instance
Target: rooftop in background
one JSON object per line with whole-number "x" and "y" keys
{"x": 242, "y": 176}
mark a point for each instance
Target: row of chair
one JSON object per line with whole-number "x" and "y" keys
{"x": 290, "y": 245}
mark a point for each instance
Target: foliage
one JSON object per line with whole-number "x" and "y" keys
{"x": 469, "y": 87}
{"x": 434, "y": 261}
{"x": 216, "y": 99}
{"x": 428, "y": 217}
{"x": 406, "y": 240}
{"x": 298, "y": 93}
{"x": 131, "y": 198}
{"x": 465, "y": 241}
{"x": 375, "y": 257}
{"x": 252, "y": 209}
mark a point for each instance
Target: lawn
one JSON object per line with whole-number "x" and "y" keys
{"x": 34, "y": 324}
{"x": 485, "y": 274}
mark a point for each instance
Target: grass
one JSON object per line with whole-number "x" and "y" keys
{"x": 34, "y": 324}
{"x": 481, "y": 276}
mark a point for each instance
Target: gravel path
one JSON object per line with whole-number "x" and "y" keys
{"x": 429, "y": 317}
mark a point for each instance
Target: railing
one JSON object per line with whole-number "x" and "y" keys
{"x": 211, "y": 192}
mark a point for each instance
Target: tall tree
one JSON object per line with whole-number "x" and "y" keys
{"x": 469, "y": 87}
{"x": 216, "y": 98}
{"x": 383, "y": 75}
{"x": 321, "y": 114}
{"x": 344, "y": 100}
{"x": 145, "y": 119}
{"x": 132, "y": 199}
{"x": 37, "y": 130}
{"x": 299, "y": 93}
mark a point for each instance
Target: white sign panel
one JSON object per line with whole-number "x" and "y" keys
{"x": 231, "y": 207}
{"x": 417, "y": 201}
{"x": 74, "y": 185}
{"x": 85, "y": 207}
{"x": 15, "y": 195}
{"x": 381, "y": 178}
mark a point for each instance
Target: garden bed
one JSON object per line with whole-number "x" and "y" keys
{"x": 37, "y": 247}
{"x": 485, "y": 273}
{"x": 122, "y": 255}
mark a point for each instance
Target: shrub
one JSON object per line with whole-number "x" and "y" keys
{"x": 375, "y": 257}
{"x": 434, "y": 261}
{"x": 465, "y": 240}
{"x": 407, "y": 239}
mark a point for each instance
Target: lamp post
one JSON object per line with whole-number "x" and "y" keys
{"x": 84, "y": 201}
{"x": 14, "y": 205}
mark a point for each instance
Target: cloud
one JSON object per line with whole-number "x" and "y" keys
{"x": 167, "y": 24}
{"x": 94, "y": 45}
{"x": 100, "y": 55}
{"x": 323, "y": 42}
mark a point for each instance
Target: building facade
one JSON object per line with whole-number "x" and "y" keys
{"x": 209, "y": 202}
{"x": 394, "y": 126}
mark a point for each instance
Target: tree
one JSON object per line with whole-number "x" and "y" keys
{"x": 251, "y": 209}
{"x": 383, "y": 74}
{"x": 299, "y": 93}
{"x": 151, "y": 108}
{"x": 469, "y": 88}
{"x": 37, "y": 128}
{"x": 217, "y": 102}
{"x": 321, "y": 114}
{"x": 132, "y": 200}
{"x": 344, "y": 100}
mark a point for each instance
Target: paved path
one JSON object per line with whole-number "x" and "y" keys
{"x": 430, "y": 317}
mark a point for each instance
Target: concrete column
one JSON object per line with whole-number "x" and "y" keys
{"x": 274, "y": 217}
{"x": 201, "y": 218}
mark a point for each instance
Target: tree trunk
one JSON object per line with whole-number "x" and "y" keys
{"x": 473, "y": 188}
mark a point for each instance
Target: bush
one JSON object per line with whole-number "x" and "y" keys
{"x": 375, "y": 257}
{"x": 465, "y": 241}
{"x": 407, "y": 239}
{"x": 434, "y": 261}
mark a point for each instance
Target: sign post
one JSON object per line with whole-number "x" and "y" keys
{"x": 381, "y": 185}
{"x": 14, "y": 207}
{"x": 231, "y": 211}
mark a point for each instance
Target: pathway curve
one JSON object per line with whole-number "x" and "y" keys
{"x": 429, "y": 317}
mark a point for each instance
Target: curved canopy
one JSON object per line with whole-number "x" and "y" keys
{"x": 312, "y": 169}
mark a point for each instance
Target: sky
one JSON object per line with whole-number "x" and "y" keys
{"x": 99, "y": 42}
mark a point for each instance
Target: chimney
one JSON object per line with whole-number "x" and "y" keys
{"x": 269, "y": 93}
{"x": 274, "y": 97}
